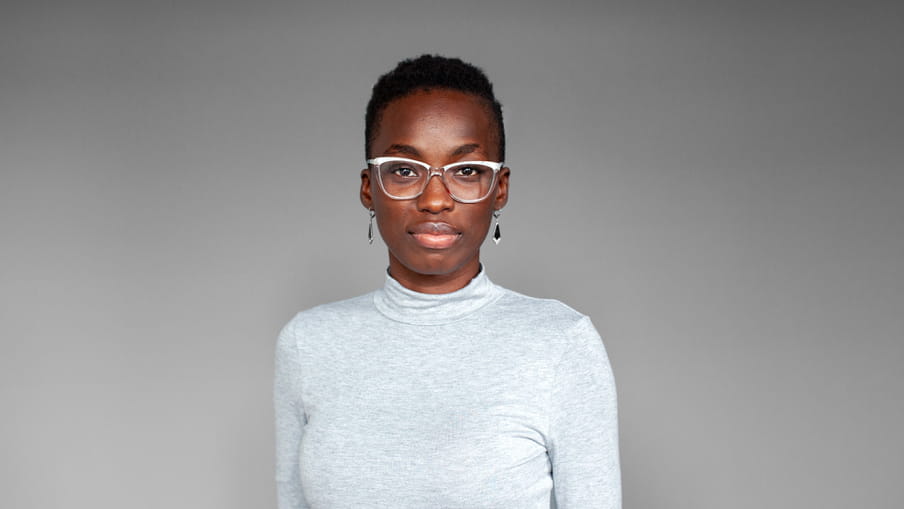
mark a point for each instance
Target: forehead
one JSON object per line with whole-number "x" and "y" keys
{"x": 437, "y": 119}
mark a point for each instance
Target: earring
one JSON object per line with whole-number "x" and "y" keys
{"x": 370, "y": 228}
{"x": 496, "y": 233}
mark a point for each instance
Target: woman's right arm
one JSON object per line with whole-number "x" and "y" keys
{"x": 290, "y": 420}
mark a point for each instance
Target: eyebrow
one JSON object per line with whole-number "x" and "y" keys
{"x": 411, "y": 151}
{"x": 403, "y": 149}
{"x": 466, "y": 149}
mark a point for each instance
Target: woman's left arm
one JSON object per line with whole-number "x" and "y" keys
{"x": 583, "y": 431}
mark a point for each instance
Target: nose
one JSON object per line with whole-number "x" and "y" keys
{"x": 436, "y": 197}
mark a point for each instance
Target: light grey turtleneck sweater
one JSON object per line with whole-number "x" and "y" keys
{"x": 480, "y": 398}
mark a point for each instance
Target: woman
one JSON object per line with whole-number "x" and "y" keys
{"x": 442, "y": 389}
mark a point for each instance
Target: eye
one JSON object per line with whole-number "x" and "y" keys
{"x": 468, "y": 171}
{"x": 405, "y": 171}
{"x": 402, "y": 170}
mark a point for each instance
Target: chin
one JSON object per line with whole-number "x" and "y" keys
{"x": 434, "y": 264}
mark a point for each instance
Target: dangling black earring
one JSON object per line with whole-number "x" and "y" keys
{"x": 370, "y": 228}
{"x": 496, "y": 233}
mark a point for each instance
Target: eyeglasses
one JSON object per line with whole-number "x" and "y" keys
{"x": 405, "y": 179}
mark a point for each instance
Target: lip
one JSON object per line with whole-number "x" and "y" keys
{"x": 435, "y": 235}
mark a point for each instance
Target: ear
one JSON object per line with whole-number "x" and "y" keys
{"x": 366, "y": 196}
{"x": 502, "y": 189}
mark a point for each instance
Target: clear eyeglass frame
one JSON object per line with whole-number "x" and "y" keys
{"x": 440, "y": 171}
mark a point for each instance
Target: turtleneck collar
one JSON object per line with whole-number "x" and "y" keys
{"x": 404, "y": 305}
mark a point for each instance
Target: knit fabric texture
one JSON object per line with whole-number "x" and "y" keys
{"x": 480, "y": 398}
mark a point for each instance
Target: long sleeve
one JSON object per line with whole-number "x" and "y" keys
{"x": 583, "y": 432}
{"x": 290, "y": 421}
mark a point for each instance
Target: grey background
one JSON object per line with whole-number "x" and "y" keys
{"x": 718, "y": 184}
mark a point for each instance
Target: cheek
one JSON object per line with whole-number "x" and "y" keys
{"x": 479, "y": 222}
{"x": 389, "y": 217}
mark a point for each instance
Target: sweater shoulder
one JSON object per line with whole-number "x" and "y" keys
{"x": 553, "y": 325}
{"x": 332, "y": 313}
{"x": 542, "y": 313}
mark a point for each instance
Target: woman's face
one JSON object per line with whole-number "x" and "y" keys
{"x": 434, "y": 241}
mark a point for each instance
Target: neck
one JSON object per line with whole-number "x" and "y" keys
{"x": 446, "y": 282}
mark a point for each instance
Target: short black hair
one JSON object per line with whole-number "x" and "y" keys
{"x": 428, "y": 72}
